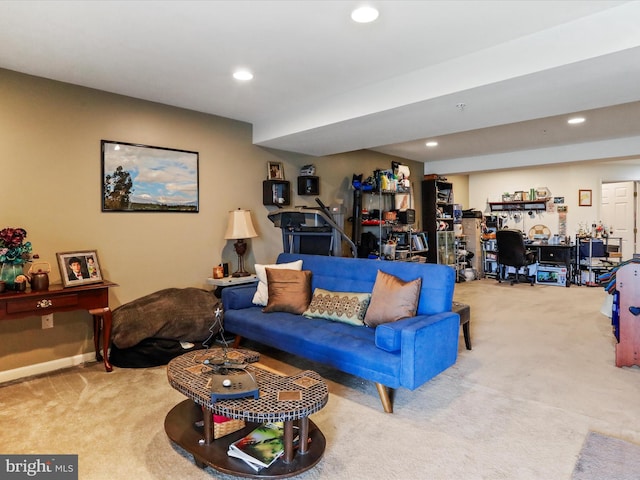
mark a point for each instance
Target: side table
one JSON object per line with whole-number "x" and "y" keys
{"x": 93, "y": 298}
{"x": 221, "y": 283}
{"x": 187, "y": 375}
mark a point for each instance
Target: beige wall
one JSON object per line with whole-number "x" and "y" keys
{"x": 50, "y": 136}
{"x": 561, "y": 181}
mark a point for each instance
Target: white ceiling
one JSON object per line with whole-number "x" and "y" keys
{"x": 324, "y": 84}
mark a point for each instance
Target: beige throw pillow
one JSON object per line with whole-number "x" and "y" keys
{"x": 289, "y": 290}
{"x": 346, "y": 307}
{"x": 261, "y": 297}
{"x": 392, "y": 299}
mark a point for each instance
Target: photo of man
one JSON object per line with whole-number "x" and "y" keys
{"x": 77, "y": 269}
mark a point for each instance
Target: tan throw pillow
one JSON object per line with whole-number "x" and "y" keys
{"x": 392, "y": 299}
{"x": 346, "y": 307}
{"x": 289, "y": 290}
{"x": 261, "y": 297}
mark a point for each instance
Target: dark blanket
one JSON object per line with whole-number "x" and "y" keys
{"x": 150, "y": 352}
{"x": 186, "y": 314}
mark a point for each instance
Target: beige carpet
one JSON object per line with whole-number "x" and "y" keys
{"x": 541, "y": 375}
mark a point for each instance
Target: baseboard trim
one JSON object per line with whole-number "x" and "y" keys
{"x": 46, "y": 367}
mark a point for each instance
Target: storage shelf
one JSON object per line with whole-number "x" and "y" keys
{"x": 518, "y": 206}
{"x": 385, "y": 200}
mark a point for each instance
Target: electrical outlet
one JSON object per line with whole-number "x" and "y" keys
{"x": 47, "y": 321}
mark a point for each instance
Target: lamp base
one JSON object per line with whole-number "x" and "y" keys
{"x": 241, "y": 248}
{"x": 240, "y": 274}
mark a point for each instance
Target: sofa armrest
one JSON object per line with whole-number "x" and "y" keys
{"x": 238, "y": 297}
{"x": 429, "y": 345}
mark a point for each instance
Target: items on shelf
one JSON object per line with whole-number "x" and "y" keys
{"x": 261, "y": 447}
{"x": 383, "y": 201}
{"x": 540, "y": 194}
{"x": 276, "y": 192}
{"x": 438, "y": 216}
{"x": 308, "y": 170}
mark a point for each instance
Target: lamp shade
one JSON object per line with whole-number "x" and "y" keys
{"x": 240, "y": 225}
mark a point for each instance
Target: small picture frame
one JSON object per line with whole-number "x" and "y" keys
{"x": 79, "y": 267}
{"x": 584, "y": 198}
{"x": 275, "y": 171}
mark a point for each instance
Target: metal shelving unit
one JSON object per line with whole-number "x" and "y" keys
{"x": 595, "y": 256}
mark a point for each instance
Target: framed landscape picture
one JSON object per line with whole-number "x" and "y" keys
{"x": 79, "y": 267}
{"x": 142, "y": 178}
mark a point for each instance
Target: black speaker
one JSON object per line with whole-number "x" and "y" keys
{"x": 407, "y": 216}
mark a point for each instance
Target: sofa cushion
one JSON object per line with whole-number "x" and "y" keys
{"x": 289, "y": 290}
{"x": 261, "y": 297}
{"x": 347, "y": 307}
{"x": 392, "y": 299}
{"x": 387, "y": 338}
{"x": 359, "y": 275}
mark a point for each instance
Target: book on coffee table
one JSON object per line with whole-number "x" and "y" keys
{"x": 261, "y": 447}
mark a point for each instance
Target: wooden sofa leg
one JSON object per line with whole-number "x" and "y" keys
{"x": 236, "y": 341}
{"x": 385, "y": 397}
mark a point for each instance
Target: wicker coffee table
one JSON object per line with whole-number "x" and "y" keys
{"x": 188, "y": 375}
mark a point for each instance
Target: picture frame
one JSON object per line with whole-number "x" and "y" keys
{"x": 83, "y": 263}
{"x": 584, "y": 198}
{"x": 275, "y": 171}
{"x": 144, "y": 178}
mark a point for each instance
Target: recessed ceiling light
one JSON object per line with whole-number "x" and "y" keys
{"x": 243, "y": 75}
{"x": 431, "y": 143}
{"x": 576, "y": 120}
{"x": 364, "y": 14}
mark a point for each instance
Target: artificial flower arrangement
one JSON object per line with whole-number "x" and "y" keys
{"x": 13, "y": 248}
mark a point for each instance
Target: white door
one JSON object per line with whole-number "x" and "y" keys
{"x": 618, "y": 212}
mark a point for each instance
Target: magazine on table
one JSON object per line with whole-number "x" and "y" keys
{"x": 261, "y": 447}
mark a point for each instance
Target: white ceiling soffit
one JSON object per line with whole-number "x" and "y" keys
{"x": 325, "y": 85}
{"x": 589, "y": 63}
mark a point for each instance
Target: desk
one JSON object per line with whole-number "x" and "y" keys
{"x": 556, "y": 255}
{"x": 93, "y": 297}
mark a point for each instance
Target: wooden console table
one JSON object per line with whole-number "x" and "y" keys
{"x": 93, "y": 297}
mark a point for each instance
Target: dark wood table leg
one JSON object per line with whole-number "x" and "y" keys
{"x": 97, "y": 328}
{"x": 208, "y": 426}
{"x": 288, "y": 441}
{"x": 102, "y": 316}
{"x": 467, "y": 335}
{"x": 304, "y": 436}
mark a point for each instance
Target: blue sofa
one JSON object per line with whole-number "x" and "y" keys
{"x": 405, "y": 353}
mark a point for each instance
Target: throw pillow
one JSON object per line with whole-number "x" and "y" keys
{"x": 261, "y": 297}
{"x": 344, "y": 307}
{"x": 392, "y": 299}
{"x": 289, "y": 290}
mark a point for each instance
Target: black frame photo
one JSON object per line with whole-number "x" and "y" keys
{"x": 79, "y": 267}
{"x": 143, "y": 178}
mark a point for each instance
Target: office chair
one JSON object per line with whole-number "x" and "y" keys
{"x": 513, "y": 253}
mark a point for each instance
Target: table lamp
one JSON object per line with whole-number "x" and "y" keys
{"x": 239, "y": 228}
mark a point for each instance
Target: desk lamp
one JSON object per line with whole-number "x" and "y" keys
{"x": 239, "y": 228}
